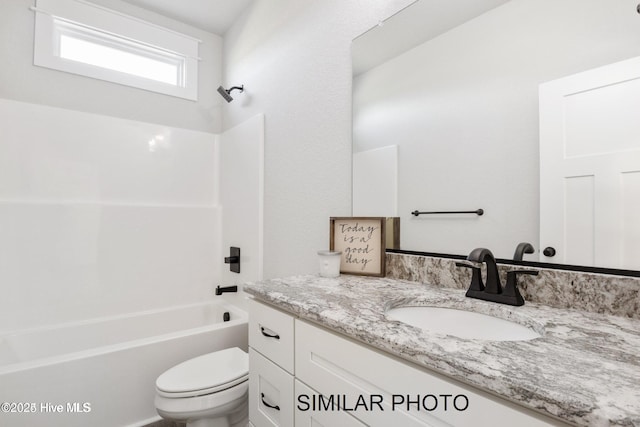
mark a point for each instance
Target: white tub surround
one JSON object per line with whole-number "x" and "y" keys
{"x": 103, "y": 371}
{"x": 584, "y": 369}
{"x": 101, "y": 216}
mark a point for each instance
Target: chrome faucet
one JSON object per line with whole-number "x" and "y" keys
{"x": 493, "y": 290}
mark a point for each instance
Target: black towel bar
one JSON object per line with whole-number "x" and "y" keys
{"x": 478, "y": 212}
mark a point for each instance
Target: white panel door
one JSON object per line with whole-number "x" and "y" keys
{"x": 590, "y": 167}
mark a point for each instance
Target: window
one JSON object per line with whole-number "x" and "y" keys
{"x": 82, "y": 38}
{"x": 91, "y": 47}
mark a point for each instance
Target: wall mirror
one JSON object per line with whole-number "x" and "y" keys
{"x": 447, "y": 117}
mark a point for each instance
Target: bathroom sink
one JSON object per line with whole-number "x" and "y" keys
{"x": 462, "y": 323}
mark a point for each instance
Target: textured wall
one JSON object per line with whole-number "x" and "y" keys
{"x": 294, "y": 58}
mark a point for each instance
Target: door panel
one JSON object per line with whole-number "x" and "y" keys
{"x": 590, "y": 163}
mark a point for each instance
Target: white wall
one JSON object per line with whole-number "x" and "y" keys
{"x": 463, "y": 109}
{"x": 294, "y": 58}
{"x": 22, "y": 81}
{"x": 241, "y": 174}
{"x": 102, "y": 216}
{"x": 375, "y": 182}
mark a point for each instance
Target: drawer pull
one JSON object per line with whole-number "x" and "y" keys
{"x": 276, "y": 336}
{"x": 276, "y": 407}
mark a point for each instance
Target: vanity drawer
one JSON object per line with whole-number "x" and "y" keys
{"x": 271, "y": 333}
{"x": 270, "y": 393}
{"x": 305, "y": 416}
{"x": 334, "y": 365}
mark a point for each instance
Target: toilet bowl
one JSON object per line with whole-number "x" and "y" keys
{"x": 207, "y": 391}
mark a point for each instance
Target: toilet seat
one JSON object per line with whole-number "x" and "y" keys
{"x": 206, "y": 374}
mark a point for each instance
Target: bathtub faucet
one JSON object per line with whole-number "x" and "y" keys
{"x": 220, "y": 291}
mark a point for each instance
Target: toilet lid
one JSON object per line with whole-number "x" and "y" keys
{"x": 206, "y": 374}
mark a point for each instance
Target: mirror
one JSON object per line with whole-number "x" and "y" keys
{"x": 446, "y": 114}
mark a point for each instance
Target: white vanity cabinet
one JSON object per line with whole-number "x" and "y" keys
{"x": 311, "y": 418}
{"x": 272, "y": 385}
{"x": 382, "y": 390}
{"x": 271, "y": 368}
{"x": 336, "y": 381}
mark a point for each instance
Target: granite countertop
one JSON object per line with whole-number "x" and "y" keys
{"x": 584, "y": 369}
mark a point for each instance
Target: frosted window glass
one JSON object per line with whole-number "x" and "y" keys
{"x": 118, "y": 60}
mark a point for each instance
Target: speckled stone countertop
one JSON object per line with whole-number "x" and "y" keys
{"x": 584, "y": 369}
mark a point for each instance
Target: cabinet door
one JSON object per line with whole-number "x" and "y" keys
{"x": 270, "y": 393}
{"x": 383, "y": 391}
{"x": 310, "y": 414}
{"x": 271, "y": 333}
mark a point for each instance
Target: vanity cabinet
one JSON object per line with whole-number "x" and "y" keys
{"x": 311, "y": 418}
{"x": 271, "y": 367}
{"x": 337, "y": 381}
{"x": 271, "y": 392}
{"x": 382, "y": 390}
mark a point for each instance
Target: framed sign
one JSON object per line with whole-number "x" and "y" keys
{"x": 362, "y": 243}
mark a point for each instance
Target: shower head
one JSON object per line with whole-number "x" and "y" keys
{"x": 226, "y": 93}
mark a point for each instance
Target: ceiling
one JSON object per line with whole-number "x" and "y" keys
{"x": 421, "y": 21}
{"x": 214, "y": 16}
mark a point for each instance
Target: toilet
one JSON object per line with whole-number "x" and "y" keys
{"x": 207, "y": 391}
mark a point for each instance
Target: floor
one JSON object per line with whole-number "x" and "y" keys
{"x": 165, "y": 423}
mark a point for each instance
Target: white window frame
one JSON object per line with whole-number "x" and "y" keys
{"x": 86, "y": 21}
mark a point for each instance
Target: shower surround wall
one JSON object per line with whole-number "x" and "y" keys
{"x": 101, "y": 216}
{"x": 107, "y": 202}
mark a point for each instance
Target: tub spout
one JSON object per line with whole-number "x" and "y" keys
{"x": 220, "y": 291}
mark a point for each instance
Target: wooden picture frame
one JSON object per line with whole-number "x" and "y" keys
{"x": 393, "y": 232}
{"x": 362, "y": 243}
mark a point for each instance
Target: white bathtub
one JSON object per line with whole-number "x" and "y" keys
{"x": 102, "y": 372}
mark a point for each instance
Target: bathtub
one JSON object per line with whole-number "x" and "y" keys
{"x": 102, "y": 372}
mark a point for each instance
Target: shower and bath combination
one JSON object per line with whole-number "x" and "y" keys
{"x": 226, "y": 93}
